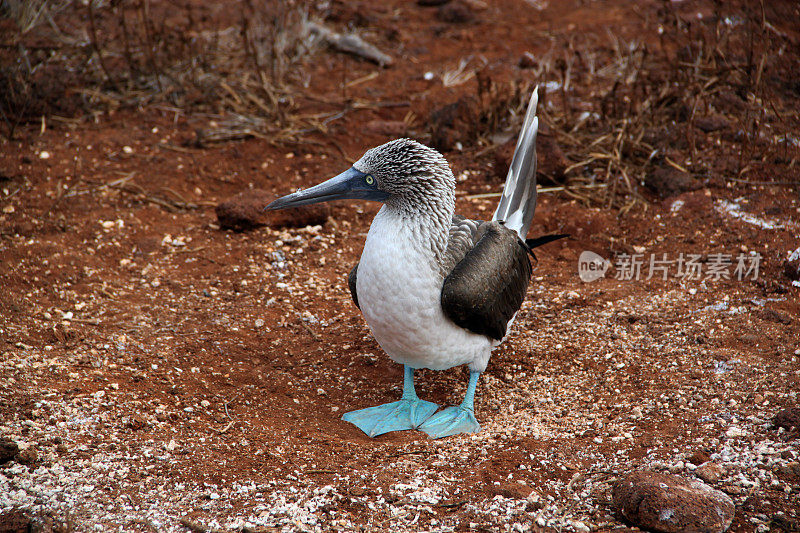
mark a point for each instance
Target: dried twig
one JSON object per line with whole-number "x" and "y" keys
{"x": 350, "y": 43}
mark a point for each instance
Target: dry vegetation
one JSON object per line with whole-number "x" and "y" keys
{"x": 244, "y": 64}
{"x": 621, "y": 107}
{"x": 631, "y": 108}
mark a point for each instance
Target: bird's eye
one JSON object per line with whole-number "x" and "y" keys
{"x": 369, "y": 179}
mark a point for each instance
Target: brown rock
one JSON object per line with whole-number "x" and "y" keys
{"x": 513, "y": 490}
{"x": 699, "y": 457}
{"x": 660, "y": 136}
{"x": 246, "y": 210}
{"x": 137, "y": 422}
{"x": 528, "y": 61}
{"x": 388, "y": 128}
{"x": 672, "y": 504}
{"x": 773, "y": 315}
{"x": 712, "y": 123}
{"x": 749, "y": 338}
{"x": 729, "y": 102}
{"x": 62, "y": 333}
{"x": 789, "y": 472}
{"x": 668, "y": 181}
{"x": 453, "y": 123}
{"x": 428, "y": 3}
{"x": 147, "y": 246}
{"x": 551, "y": 162}
{"x": 15, "y": 521}
{"x": 28, "y": 456}
{"x": 788, "y": 419}
{"x": 710, "y": 472}
{"x": 456, "y": 12}
{"x": 8, "y": 449}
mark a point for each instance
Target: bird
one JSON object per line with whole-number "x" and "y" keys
{"x": 436, "y": 289}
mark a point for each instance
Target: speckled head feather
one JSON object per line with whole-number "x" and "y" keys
{"x": 412, "y": 173}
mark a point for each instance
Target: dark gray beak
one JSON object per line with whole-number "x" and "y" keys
{"x": 349, "y": 185}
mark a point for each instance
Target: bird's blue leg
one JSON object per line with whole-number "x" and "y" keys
{"x": 408, "y": 413}
{"x": 455, "y": 420}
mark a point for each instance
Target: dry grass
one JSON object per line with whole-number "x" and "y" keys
{"x": 619, "y": 109}
{"x": 164, "y": 55}
{"x": 28, "y": 14}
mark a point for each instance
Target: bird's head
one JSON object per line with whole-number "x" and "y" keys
{"x": 400, "y": 172}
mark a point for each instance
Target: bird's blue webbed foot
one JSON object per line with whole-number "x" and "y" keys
{"x": 395, "y": 416}
{"x": 455, "y": 420}
{"x": 408, "y": 413}
{"x": 452, "y": 421}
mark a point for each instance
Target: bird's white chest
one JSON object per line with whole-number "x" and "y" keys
{"x": 399, "y": 290}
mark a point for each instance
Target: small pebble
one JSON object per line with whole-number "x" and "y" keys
{"x": 734, "y": 432}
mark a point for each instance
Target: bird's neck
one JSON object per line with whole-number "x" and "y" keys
{"x": 427, "y": 220}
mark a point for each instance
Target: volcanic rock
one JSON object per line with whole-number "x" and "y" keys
{"x": 668, "y": 181}
{"x": 456, "y": 12}
{"x": 672, "y": 504}
{"x": 788, "y": 419}
{"x": 8, "y": 450}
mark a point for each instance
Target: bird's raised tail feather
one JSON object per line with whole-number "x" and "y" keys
{"x": 518, "y": 201}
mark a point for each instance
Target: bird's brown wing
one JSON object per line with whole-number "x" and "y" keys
{"x": 487, "y": 286}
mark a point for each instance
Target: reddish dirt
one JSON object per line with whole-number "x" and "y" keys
{"x": 165, "y": 373}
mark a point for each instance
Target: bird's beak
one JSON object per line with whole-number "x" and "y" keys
{"x": 351, "y": 184}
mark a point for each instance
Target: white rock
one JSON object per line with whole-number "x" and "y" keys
{"x": 734, "y": 432}
{"x": 580, "y": 526}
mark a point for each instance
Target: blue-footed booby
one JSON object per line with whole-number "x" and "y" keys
{"x": 437, "y": 290}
